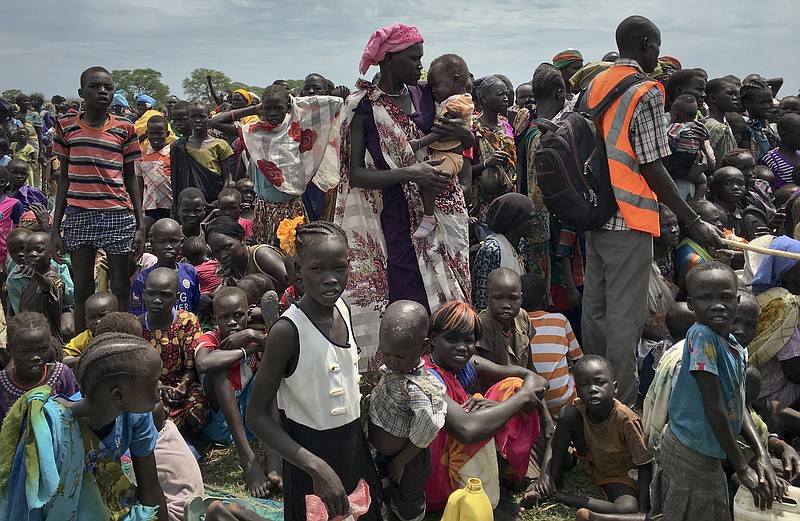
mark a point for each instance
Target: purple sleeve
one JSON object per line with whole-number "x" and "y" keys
{"x": 791, "y": 349}
{"x": 69, "y": 385}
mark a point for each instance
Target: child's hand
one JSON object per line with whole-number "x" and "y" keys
{"x": 25, "y": 271}
{"x": 791, "y": 461}
{"x": 574, "y": 298}
{"x": 174, "y": 396}
{"x": 237, "y": 340}
{"x": 546, "y": 487}
{"x": 396, "y": 470}
{"x": 749, "y": 479}
{"x": 330, "y": 490}
{"x": 500, "y": 157}
{"x": 474, "y": 404}
{"x": 57, "y": 246}
{"x": 41, "y": 214}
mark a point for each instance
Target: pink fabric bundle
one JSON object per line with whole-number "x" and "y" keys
{"x": 393, "y": 38}
{"x": 359, "y": 505}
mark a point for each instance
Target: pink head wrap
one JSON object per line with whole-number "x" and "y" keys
{"x": 393, "y": 38}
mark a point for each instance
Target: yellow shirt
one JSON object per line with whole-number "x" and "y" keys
{"x": 77, "y": 345}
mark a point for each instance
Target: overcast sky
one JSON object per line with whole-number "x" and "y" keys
{"x": 44, "y": 45}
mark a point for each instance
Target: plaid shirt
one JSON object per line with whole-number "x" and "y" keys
{"x": 154, "y": 168}
{"x": 647, "y": 135}
{"x": 409, "y": 406}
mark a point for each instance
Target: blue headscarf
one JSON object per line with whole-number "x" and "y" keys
{"x": 119, "y": 99}
{"x": 151, "y": 102}
{"x": 771, "y": 268}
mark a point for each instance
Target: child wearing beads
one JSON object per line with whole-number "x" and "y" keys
{"x": 227, "y": 358}
{"x": 80, "y": 442}
{"x": 448, "y": 77}
{"x": 174, "y": 334}
{"x": 407, "y": 408}
{"x": 30, "y": 347}
{"x": 321, "y": 440}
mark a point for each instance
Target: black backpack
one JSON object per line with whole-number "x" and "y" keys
{"x": 572, "y": 167}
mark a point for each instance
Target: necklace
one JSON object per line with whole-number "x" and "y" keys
{"x": 420, "y": 364}
{"x": 402, "y": 91}
{"x": 25, "y": 387}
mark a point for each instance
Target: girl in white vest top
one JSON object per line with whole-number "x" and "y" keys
{"x": 311, "y": 368}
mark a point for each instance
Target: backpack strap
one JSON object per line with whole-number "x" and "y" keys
{"x": 626, "y": 83}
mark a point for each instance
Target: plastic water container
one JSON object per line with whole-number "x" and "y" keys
{"x": 787, "y": 510}
{"x": 469, "y": 504}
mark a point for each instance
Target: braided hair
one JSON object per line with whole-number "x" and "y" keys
{"x": 25, "y": 321}
{"x": 111, "y": 357}
{"x": 313, "y": 232}
{"x": 225, "y": 226}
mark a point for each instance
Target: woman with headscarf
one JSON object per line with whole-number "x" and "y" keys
{"x": 568, "y": 62}
{"x": 146, "y": 109}
{"x": 240, "y": 99}
{"x": 378, "y": 200}
{"x": 776, "y": 349}
{"x": 510, "y": 219}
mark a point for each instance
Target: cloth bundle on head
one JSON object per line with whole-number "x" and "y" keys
{"x": 771, "y": 268}
{"x": 248, "y": 97}
{"x": 148, "y": 100}
{"x": 393, "y": 38}
{"x": 480, "y": 85}
{"x": 507, "y": 211}
{"x": 120, "y": 100}
{"x": 666, "y": 66}
{"x": 564, "y": 58}
{"x": 581, "y": 79}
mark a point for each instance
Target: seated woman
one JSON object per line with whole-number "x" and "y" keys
{"x": 776, "y": 349}
{"x": 378, "y": 199}
{"x": 475, "y": 427}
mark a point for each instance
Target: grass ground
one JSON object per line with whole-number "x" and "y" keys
{"x": 221, "y": 469}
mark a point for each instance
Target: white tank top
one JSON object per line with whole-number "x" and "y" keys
{"x": 322, "y": 392}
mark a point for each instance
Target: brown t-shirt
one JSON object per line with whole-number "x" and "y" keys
{"x": 506, "y": 347}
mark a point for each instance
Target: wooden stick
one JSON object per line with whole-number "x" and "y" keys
{"x": 758, "y": 249}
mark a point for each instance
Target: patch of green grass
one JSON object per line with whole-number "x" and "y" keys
{"x": 221, "y": 469}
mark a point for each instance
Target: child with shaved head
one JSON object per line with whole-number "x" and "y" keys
{"x": 407, "y": 408}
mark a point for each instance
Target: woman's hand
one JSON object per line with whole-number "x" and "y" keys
{"x": 454, "y": 129}
{"x": 499, "y": 158}
{"x": 791, "y": 461}
{"x": 427, "y": 176}
{"x": 330, "y": 490}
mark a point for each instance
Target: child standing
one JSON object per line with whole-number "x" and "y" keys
{"x": 785, "y": 160}
{"x": 23, "y": 150}
{"x": 44, "y": 289}
{"x": 227, "y": 358}
{"x": 174, "y": 334}
{"x": 167, "y": 243}
{"x": 609, "y": 441}
{"x": 199, "y": 160}
{"x": 507, "y": 330}
{"x": 30, "y": 347}
{"x": 553, "y": 346}
{"x": 98, "y": 305}
{"x": 706, "y": 409}
{"x": 322, "y": 442}
{"x": 10, "y": 213}
{"x": 98, "y": 197}
{"x": 82, "y": 441}
{"x": 756, "y": 98}
{"x": 154, "y": 170}
{"x": 407, "y": 408}
{"x": 448, "y": 77}
{"x": 18, "y": 187}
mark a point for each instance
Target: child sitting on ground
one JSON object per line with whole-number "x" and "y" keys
{"x": 507, "y": 330}
{"x": 44, "y": 289}
{"x": 226, "y": 359}
{"x": 195, "y": 251}
{"x": 98, "y": 305}
{"x": 229, "y": 204}
{"x": 18, "y": 187}
{"x": 448, "y": 77}
{"x": 256, "y": 286}
{"x": 785, "y": 160}
{"x": 553, "y": 347}
{"x": 154, "y": 169}
{"x": 683, "y": 140}
{"x": 609, "y": 442}
{"x": 30, "y": 347}
{"x": 757, "y": 208}
{"x": 246, "y": 188}
{"x": 199, "y": 160}
{"x": 167, "y": 242}
{"x": 174, "y": 334}
{"x": 756, "y": 98}
{"x": 727, "y": 192}
{"x": 706, "y": 410}
{"x": 80, "y": 441}
{"x": 407, "y": 409}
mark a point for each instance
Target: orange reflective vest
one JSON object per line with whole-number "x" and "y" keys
{"x": 637, "y": 202}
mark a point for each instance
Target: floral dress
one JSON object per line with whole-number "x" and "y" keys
{"x": 176, "y": 345}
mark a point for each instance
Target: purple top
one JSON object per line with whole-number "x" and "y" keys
{"x": 29, "y": 195}
{"x": 59, "y": 378}
{"x": 404, "y": 278}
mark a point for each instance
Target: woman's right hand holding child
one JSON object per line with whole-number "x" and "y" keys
{"x": 427, "y": 176}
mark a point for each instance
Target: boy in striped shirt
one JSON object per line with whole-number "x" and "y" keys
{"x": 98, "y": 198}
{"x": 552, "y": 346}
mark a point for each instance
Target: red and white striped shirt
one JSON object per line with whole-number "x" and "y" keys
{"x": 553, "y": 344}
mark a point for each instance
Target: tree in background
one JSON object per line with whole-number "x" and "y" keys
{"x": 141, "y": 81}
{"x": 10, "y": 94}
{"x": 295, "y": 85}
{"x": 195, "y": 88}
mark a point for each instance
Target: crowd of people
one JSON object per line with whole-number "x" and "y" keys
{"x": 371, "y": 284}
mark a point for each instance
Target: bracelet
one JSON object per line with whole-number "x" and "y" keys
{"x": 484, "y": 164}
{"x": 695, "y": 221}
{"x": 244, "y": 354}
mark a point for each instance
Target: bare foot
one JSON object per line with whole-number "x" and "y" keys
{"x": 531, "y": 497}
{"x": 582, "y": 515}
{"x": 275, "y": 481}
{"x": 255, "y": 479}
